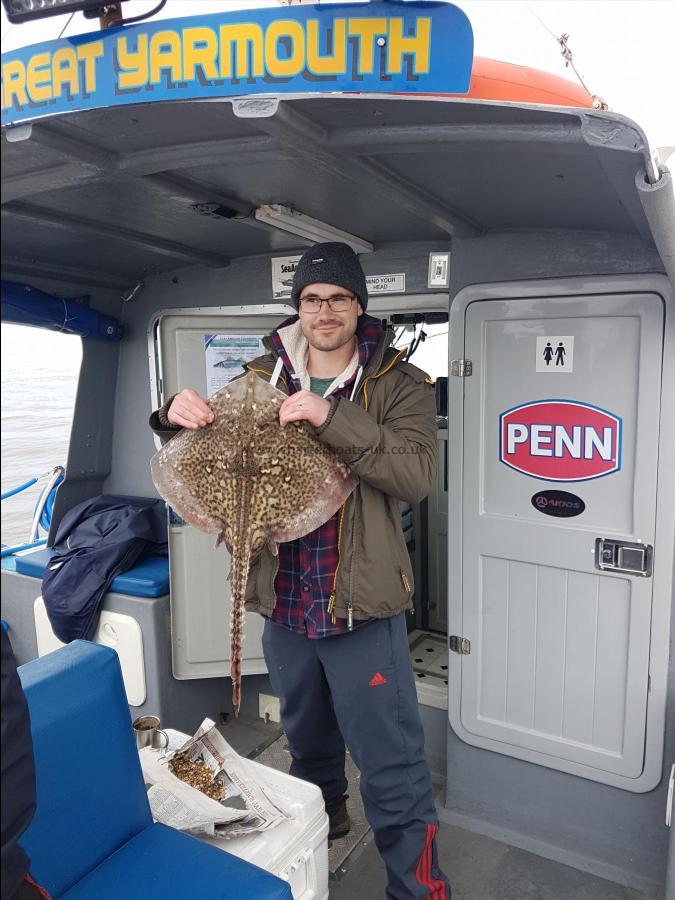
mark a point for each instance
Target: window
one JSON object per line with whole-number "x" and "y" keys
{"x": 432, "y": 354}
{"x": 40, "y": 371}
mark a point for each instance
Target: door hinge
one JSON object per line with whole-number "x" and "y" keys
{"x": 461, "y": 368}
{"x": 459, "y": 645}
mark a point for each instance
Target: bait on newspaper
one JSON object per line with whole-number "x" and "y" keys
{"x": 245, "y": 805}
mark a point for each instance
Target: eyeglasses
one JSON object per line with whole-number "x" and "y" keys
{"x": 337, "y": 303}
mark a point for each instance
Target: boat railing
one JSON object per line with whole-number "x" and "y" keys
{"x": 42, "y": 514}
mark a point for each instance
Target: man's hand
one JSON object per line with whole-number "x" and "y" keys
{"x": 189, "y": 410}
{"x": 304, "y": 406}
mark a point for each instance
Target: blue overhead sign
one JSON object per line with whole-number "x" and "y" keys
{"x": 393, "y": 47}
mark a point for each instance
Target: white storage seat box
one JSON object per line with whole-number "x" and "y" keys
{"x": 296, "y": 849}
{"x": 135, "y": 620}
{"x": 121, "y": 632}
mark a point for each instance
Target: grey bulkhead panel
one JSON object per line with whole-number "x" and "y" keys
{"x": 568, "y": 664}
{"x": 200, "y": 593}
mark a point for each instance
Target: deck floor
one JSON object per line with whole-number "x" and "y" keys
{"x": 479, "y": 867}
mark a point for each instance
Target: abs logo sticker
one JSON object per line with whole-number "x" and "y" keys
{"x": 560, "y": 440}
{"x": 558, "y": 503}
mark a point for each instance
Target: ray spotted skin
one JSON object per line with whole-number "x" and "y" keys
{"x": 251, "y": 482}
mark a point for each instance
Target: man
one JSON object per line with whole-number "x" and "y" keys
{"x": 335, "y": 637}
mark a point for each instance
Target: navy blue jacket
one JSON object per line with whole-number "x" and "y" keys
{"x": 95, "y": 541}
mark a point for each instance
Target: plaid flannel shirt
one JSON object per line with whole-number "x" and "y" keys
{"x": 307, "y": 566}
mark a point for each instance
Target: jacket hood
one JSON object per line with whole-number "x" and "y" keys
{"x": 289, "y": 343}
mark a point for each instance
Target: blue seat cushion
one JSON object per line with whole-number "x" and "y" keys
{"x": 148, "y": 578}
{"x": 90, "y": 795}
{"x": 163, "y": 864}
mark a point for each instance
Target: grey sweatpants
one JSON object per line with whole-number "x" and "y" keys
{"x": 358, "y": 689}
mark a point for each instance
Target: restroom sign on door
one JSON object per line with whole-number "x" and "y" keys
{"x": 555, "y": 354}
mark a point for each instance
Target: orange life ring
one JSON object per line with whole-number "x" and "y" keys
{"x": 498, "y": 81}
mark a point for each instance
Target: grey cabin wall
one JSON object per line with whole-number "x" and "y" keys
{"x": 529, "y": 255}
{"x": 616, "y": 834}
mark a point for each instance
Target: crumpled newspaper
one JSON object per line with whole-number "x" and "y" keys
{"x": 245, "y": 806}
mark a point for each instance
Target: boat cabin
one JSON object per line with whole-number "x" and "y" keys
{"x": 159, "y": 183}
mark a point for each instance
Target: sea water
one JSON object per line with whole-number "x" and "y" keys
{"x": 39, "y": 381}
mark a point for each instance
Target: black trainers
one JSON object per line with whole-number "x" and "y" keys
{"x": 338, "y": 819}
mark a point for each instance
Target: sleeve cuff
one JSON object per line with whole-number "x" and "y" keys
{"x": 162, "y": 416}
{"x": 331, "y": 412}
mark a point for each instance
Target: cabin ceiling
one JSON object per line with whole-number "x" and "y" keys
{"x": 108, "y": 197}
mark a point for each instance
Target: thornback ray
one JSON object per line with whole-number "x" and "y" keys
{"x": 251, "y": 482}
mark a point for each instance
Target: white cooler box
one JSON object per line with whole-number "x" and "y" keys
{"x": 295, "y": 850}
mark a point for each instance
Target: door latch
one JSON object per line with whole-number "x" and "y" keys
{"x": 623, "y": 556}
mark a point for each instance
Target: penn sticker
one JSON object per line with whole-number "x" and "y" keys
{"x": 560, "y": 440}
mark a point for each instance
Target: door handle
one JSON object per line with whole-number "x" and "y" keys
{"x": 623, "y": 556}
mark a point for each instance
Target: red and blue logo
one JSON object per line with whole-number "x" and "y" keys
{"x": 560, "y": 440}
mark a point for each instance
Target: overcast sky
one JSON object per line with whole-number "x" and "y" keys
{"x": 622, "y": 48}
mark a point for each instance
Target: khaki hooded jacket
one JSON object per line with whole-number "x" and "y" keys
{"x": 387, "y": 435}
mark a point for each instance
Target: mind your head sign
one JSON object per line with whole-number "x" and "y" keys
{"x": 393, "y": 47}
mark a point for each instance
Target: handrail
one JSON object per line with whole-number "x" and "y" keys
{"x": 31, "y": 481}
{"x": 42, "y": 513}
{"x": 17, "y": 548}
{"x": 21, "y": 487}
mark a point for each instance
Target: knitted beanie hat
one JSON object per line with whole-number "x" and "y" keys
{"x": 331, "y": 263}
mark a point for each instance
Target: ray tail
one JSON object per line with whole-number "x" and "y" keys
{"x": 241, "y": 559}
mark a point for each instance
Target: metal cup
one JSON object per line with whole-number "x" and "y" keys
{"x": 147, "y": 731}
